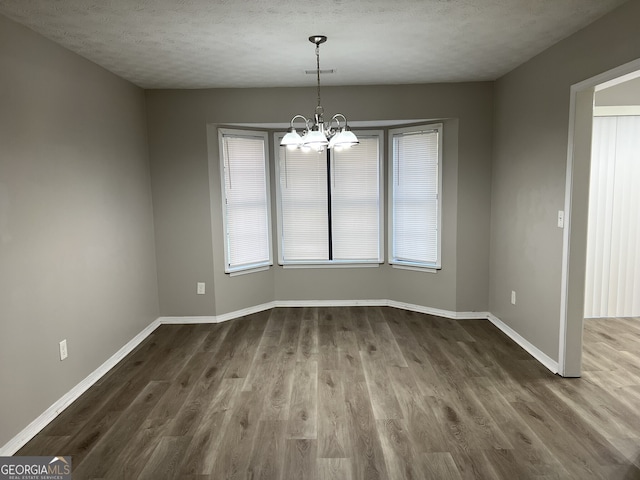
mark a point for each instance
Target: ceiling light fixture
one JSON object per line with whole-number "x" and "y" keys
{"x": 317, "y": 134}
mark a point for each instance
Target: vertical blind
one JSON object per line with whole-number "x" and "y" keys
{"x": 612, "y": 279}
{"x": 331, "y": 221}
{"x": 246, "y": 201}
{"x": 415, "y": 198}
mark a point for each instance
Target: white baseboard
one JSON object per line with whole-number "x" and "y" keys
{"x": 187, "y": 320}
{"x": 439, "y": 312}
{"x": 269, "y": 305}
{"x": 31, "y": 430}
{"x": 245, "y": 311}
{"x": 331, "y": 303}
{"x": 54, "y": 410}
{"x": 534, "y": 351}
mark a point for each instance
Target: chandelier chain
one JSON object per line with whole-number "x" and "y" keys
{"x": 318, "y": 69}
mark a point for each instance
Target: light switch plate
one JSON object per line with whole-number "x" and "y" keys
{"x": 63, "y": 349}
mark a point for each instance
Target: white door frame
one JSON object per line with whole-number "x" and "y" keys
{"x": 576, "y": 208}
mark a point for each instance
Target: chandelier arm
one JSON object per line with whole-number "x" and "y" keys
{"x": 335, "y": 117}
{"x": 306, "y": 120}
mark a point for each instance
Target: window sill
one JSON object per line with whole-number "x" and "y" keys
{"x": 416, "y": 268}
{"x": 235, "y": 273}
{"x": 330, "y": 265}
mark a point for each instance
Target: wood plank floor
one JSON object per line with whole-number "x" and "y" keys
{"x": 355, "y": 393}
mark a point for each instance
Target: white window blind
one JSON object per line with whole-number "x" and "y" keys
{"x": 331, "y": 222}
{"x": 355, "y": 202}
{"x": 246, "y": 205}
{"x": 415, "y": 196}
{"x": 303, "y": 205}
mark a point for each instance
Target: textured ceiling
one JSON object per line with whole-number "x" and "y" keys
{"x": 261, "y": 43}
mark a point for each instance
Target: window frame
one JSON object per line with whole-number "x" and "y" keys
{"x": 393, "y": 260}
{"x": 254, "y": 134}
{"x": 380, "y": 135}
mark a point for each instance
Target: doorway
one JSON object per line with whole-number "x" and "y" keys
{"x": 612, "y": 277}
{"x": 577, "y": 212}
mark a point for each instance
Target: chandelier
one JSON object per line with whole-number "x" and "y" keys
{"x": 317, "y": 134}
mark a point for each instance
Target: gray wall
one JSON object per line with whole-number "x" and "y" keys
{"x": 627, "y": 93}
{"x": 188, "y": 224}
{"x": 76, "y": 226}
{"x": 529, "y": 166}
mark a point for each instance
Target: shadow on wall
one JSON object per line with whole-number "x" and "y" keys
{"x": 634, "y": 470}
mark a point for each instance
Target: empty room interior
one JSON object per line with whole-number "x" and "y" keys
{"x": 351, "y": 240}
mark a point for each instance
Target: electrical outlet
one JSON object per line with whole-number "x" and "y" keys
{"x": 560, "y": 219}
{"x": 200, "y": 288}
{"x": 513, "y": 297}
{"x": 63, "y": 349}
